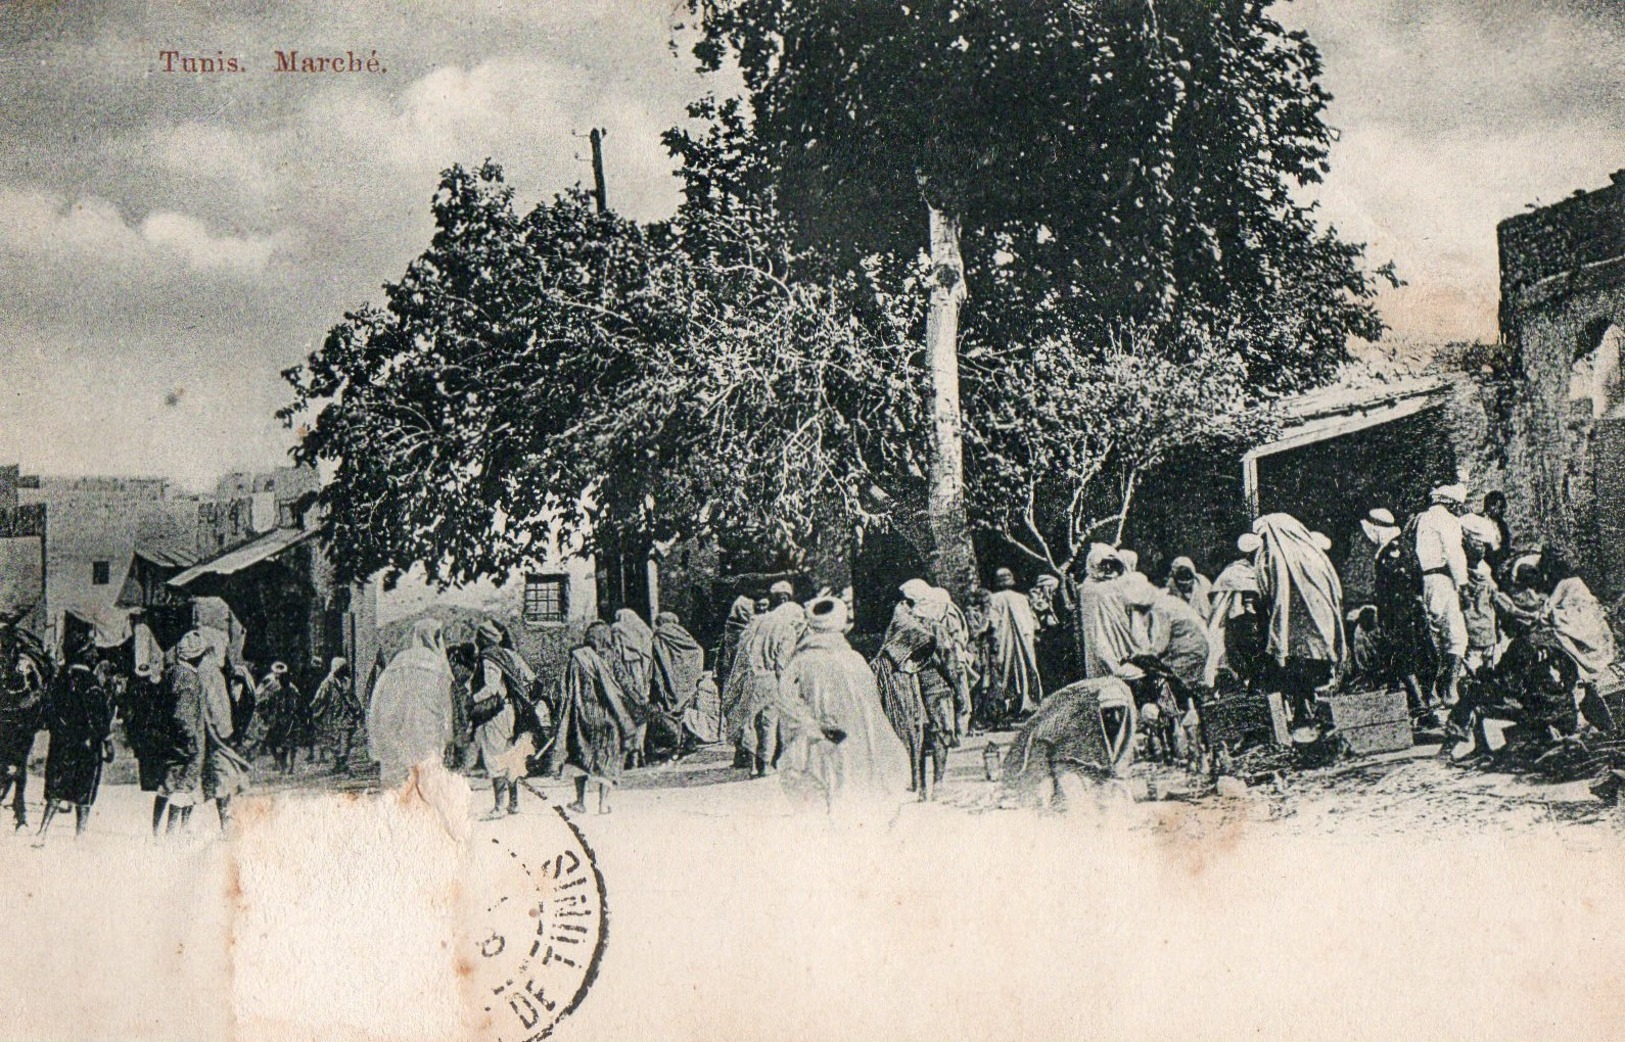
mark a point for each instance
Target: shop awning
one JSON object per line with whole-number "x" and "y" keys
{"x": 171, "y": 553}
{"x": 247, "y": 556}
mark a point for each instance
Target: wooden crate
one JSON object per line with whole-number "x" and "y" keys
{"x": 1611, "y": 689}
{"x": 1372, "y": 721}
{"x": 1241, "y": 719}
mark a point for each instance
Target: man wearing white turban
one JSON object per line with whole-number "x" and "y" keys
{"x": 1443, "y": 561}
{"x": 1105, "y": 632}
{"x": 840, "y": 752}
{"x": 182, "y": 785}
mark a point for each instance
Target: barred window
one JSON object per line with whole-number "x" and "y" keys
{"x": 546, "y": 598}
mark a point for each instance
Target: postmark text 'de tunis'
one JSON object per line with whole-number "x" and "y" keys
{"x": 292, "y": 60}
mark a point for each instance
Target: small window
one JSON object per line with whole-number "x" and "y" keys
{"x": 546, "y": 599}
{"x": 101, "y": 573}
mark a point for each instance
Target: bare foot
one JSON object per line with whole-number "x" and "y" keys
{"x": 577, "y": 806}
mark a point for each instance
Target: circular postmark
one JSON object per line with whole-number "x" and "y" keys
{"x": 537, "y": 927}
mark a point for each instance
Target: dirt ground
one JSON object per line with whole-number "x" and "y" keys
{"x": 1388, "y": 896}
{"x": 1389, "y": 793}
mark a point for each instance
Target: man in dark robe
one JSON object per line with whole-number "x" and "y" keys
{"x": 594, "y": 726}
{"x": 79, "y": 715}
{"x": 677, "y": 664}
{"x": 1014, "y": 689}
{"x": 733, "y": 631}
{"x": 284, "y": 709}
{"x": 24, "y": 675}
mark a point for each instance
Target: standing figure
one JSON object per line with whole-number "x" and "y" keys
{"x": 1235, "y": 638}
{"x": 24, "y": 678}
{"x": 283, "y": 708}
{"x": 985, "y": 712}
{"x": 308, "y": 737}
{"x": 1495, "y": 508}
{"x": 920, "y": 679}
{"x": 1303, "y": 597}
{"x": 594, "y": 725}
{"x": 464, "y": 659}
{"x": 244, "y": 702}
{"x": 740, "y": 613}
{"x": 677, "y": 666}
{"x": 1396, "y": 585}
{"x": 182, "y": 787}
{"x": 840, "y": 755}
{"x": 632, "y": 662}
{"x": 410, "y": 717}
{"x": 750, "y": 699}
{"x": 145, "y": 709}
{"x": 1443, "y": 561}
{"x": 1055, "y": 642}
{"x": 79, "y": 715}
{"x": 1015, "y": 686}
{"x": 504, "y": 715}
{"x": 337, "y": 713}
{"x": 1105, "y": 633}
{"x": 225, "y": 773}
{"x": 1480, "y": 538}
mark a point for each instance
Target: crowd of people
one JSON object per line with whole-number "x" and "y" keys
{"x": 628, "y": 694}
{"x": 1459, "y": 620}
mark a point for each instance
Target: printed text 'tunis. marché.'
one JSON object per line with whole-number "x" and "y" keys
{"x": 290, "y": 61}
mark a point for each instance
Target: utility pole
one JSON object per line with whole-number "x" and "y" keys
{"x": 599, "y": 192}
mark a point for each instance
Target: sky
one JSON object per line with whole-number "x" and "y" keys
{"x": 170, "y": 242}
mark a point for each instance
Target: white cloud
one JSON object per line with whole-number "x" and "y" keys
{"x": 90, "y": 232}
{"x": 188, "y": 238}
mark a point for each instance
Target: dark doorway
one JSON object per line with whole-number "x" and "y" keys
{"x": 1331, "y": 484}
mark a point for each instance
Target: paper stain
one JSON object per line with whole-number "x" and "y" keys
{"x": 1194, "y": 837}
{"x": 345, "y": 913}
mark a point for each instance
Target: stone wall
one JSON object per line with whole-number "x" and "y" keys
{"x": 1562, "y": 287}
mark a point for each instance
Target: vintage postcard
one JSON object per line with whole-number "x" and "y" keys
{"x": 812, "y": 519}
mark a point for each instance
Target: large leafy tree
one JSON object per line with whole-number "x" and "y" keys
{"x": 1074, "y": 168}
{"x": 568, "y": 374}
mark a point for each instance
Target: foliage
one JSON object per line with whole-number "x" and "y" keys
{"x": 1058, "y": 459}
{"x": 1111, "y": 162}
{"x": 568, "y": 375}
{"x": 1124, "y": 172}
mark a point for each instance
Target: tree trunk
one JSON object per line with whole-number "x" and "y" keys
{"x": 953, "y": 558}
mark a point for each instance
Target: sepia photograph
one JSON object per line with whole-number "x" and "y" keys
{"x": 799, "y": 519}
